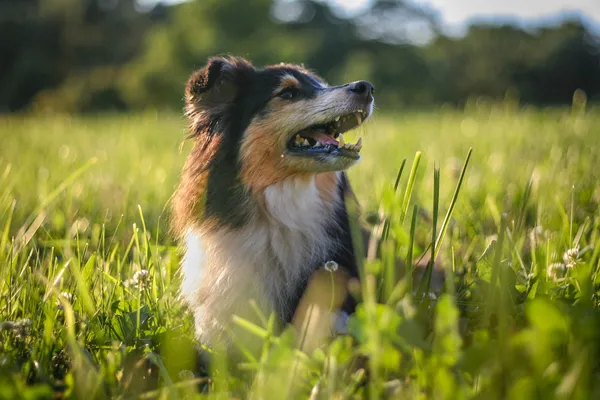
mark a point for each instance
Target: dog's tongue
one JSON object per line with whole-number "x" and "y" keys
{"x": 320, "y": 136}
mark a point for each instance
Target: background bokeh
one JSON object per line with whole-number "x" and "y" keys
{"x": 92, "y": 55}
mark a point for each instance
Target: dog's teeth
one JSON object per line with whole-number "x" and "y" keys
{"x": 319, "y": 144}
{"x": 341, "y": 140}
{"x": 298, "y": 139}
{"x": 337, "y": 119}
{"x": 358, "y": 118}
{"x": 353, "y": 147}
{"x": 305, "y": 142}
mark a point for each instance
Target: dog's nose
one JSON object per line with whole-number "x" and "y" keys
{"x": 362, "y": 88}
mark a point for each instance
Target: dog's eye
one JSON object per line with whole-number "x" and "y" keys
{"x": 288, "y": 94}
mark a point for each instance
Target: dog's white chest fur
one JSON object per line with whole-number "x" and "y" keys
{"x": 264, "y": 260}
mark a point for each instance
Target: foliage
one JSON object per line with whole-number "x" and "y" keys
{"x": 542, "y": 67}
{"x": 67, "y": 45}
{"x": 89, "y": 55}
{"x": 88, "y": 301}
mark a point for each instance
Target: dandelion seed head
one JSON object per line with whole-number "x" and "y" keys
{"x": 331, "y": 266}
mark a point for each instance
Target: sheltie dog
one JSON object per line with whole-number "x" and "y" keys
{"x": 263, "y": 201}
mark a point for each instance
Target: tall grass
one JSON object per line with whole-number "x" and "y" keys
{"x": 88, "y": 273}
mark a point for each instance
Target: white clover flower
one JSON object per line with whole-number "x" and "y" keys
{"x": 141, "y": 279}
{"x": 331, "y": 266}
{"x": 65, "y": 295}
{"x": 24, "y": 322}
{"x": 571, "y": 257}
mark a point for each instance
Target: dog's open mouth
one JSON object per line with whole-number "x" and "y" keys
{"x": 328, "y": 138}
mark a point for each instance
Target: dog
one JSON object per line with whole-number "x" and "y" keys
{"x": 262, "y": 205}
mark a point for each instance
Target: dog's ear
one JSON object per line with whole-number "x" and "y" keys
{"x": 212, "y": 85}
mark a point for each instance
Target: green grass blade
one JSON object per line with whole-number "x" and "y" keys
{"x": 410, "y": 186}
{"x": 4, "y": 240}
{"x": 411, "y": 244}
{"x": 495, "y": 297}
{"x": 524, "y": 202}
{"x": 446, "y": 221}
{"x": 386, "y": 224}
{"x": 425, "y": 283}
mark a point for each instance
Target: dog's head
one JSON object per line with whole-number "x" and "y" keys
{"x": 274, "y": 122}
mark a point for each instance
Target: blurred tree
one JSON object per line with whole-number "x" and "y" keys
{"x": 29, "y": 44}
{"x": 479, "y": 64}
{"x": 563, "y": 60}
{"x": 398, "y": 22}
{"x": 545, "y": 66}
{"x": 45, "y": 43}
{"x": 266, "y": 31}
{"x": 88, "y": 55}
{"x": 196, "y": 31}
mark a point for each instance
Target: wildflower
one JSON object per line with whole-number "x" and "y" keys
{"x": 571, "y": 257}
{"x": 556, "y": 270}
{"x": 65, "y": 295}
{"x": 331, "y": 266}
{"x": 141, "y": 279}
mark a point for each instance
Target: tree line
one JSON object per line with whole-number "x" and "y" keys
{"x": 91, "y": 55}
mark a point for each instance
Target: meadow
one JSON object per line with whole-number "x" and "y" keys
{"x": 504, "y": 197}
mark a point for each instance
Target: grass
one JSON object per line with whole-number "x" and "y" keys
{"x": 88, "y": 272}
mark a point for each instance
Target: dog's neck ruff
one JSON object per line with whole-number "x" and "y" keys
{"x": 297, "y": 218}
{"x": 266, "y": 258}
